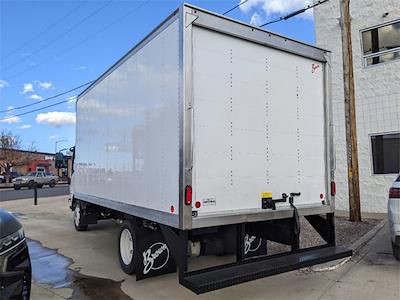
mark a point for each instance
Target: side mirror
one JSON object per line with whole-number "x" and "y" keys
{"x": 60, "y": 161}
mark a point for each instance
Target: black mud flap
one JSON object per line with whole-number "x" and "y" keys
{"x": 153, "y": 257}
{"x": 206, "y": 280}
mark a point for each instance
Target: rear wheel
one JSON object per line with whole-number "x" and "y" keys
{"x": 31, "y": 184}
{"x": 79, "y": 226}
{"x": 126, "y": 247}
{"x": 396, "y": 251}
{"x": 52, "y": 183}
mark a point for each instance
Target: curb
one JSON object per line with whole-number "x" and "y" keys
{"x": 355, "y": 247}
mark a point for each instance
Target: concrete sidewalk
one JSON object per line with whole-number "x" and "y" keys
{"x": 372, "y": 274}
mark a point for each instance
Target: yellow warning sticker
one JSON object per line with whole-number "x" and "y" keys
{"x": 266, "y": 195}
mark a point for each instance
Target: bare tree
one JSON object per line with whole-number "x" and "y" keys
{"x": 10, "y": 154}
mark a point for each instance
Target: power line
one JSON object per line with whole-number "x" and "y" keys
{"x": 81, "y": 41}
{"x": 34, "y": 110}
{"x": 236, "y": 6}
{"x": 47, "y": 99}
{"x": 60, "y": 36}
{"x": 295, "y": 13}
{"x": 45, "y": 30}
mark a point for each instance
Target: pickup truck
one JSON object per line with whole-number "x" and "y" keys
{"x": 32, "y": 178}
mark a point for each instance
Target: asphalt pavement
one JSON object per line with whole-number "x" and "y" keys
{"x": 25, "y": 193}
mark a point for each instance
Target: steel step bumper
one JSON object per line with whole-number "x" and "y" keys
{"x": 210, "y": 279}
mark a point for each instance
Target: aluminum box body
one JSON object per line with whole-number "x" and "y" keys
{"x": 206, "y": 101}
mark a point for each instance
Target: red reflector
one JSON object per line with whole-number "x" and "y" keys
{"x": 188, "y": 195}
{"x": 172, "y": 208}
{"x": 394, "y": 193}
{"x": 333, "y": 188}
{"x": 197, "y": 204}
{"x": 321, "y": 196}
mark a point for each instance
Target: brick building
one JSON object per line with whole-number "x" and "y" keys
{"x": 33, "y": 161}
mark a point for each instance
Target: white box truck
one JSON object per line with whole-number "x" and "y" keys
{"x": 210, "y": 137}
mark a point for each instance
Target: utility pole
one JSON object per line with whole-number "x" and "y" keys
{"x": 350, "y": 113}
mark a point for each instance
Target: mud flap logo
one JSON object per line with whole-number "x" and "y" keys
{"x": 251, "y": 243}
{"x": 155, "y": 257}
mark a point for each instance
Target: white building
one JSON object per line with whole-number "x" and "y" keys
{"x": 375, "y": 32}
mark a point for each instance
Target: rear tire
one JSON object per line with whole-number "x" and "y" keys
{"x": 31, "y": 184}
{"x": 79, "y": 226}
{"x": 52, "y": 183}
{"x": 396, "y": 251}
{"x": 126, "y": 247}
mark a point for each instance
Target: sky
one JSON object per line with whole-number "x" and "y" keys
{"x": 49, "y": 47}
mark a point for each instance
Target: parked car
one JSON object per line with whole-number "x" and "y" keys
{"x": 38, "y": 178}
{"x": 2, "y": 178}
{"x": 15, "y": 264}
{"x": 394, "y": 216}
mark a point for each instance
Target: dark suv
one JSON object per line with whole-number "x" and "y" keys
{"x": 15, "y": 264}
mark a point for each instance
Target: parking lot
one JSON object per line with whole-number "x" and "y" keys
{"x": 84, "y": 265}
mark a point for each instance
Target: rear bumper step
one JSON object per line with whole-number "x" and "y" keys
{"x": 203, "y": 281}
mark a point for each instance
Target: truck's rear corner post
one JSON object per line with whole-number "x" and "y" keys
{"x": 186, "y": 115}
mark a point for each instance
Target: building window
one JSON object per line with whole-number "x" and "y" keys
{"x": 381, "y": 44}
{"x": 386, "y": 153}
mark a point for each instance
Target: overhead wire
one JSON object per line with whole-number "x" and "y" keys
{"x": 34, "y": 110}
{"x": 236, "y": 6}
{"x": 81, "y": 41}
{"x": 59, "y": 36}
{"x": 45, "y": 30}
{"x": 295, "y": 13}
{"x": 46, "y": 99}
{"x": 75, "y": 88}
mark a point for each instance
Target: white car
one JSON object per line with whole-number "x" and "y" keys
{"x": 38, "y": 178}
{"x": 394, "y": 216}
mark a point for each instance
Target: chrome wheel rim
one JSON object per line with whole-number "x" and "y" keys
{"x": 126, "y": 246}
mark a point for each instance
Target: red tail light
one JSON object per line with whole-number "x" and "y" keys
{"x": 188, "y": 195}
{"x": 333, "y": 188}
{"x": 394, "y": 193}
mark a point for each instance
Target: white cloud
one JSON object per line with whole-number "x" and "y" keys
{"x": 256, "y": 20}
{"x": 44, "y": 85}
{"x": 3, "y": 83}
{"x": 26, "y": 126}
{"x": 278, "y": 7}
{"x": 56, "y": 118}
{"x": 36, "y": 97}
{"x": 54, "y": 136}
{"x": 11, "y": 119}
{"x": 28, "y": 88}
{"x": 80, "y": 68}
